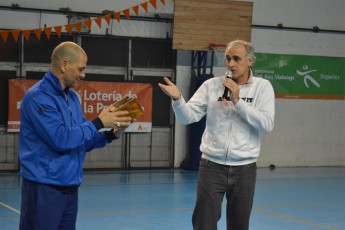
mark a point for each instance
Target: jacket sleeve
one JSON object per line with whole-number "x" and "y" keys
{"x": 98, "y": 141}
{"x": 46, "y": 118}
{"x": 260, "y": 116}
{"x": 192, "y": 111}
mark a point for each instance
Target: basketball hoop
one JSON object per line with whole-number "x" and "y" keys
{"x": 218, "y": 50}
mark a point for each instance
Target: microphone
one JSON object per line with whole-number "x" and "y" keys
{"x": 228, "y": 74}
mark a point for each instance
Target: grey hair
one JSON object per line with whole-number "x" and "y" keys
{"x": 248, "y": 46}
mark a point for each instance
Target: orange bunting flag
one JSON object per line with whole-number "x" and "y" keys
{"x": 107, "y": 18}
{"x": 26, "y": 34}
{"x": 68, "y": 27}
{"x": 47, "y": 31}
{"x": 144, "y": 6}
{"x": 126, "y": 13}
{"x": 78, "y": 26}
{"x": 154, "y": 3}
{"x": 38, "y": 33}
{"x": 136, "y": 10}
{"x": 58, "y": 30}
{"x": 4, "y": 35}
{"x": 88, "y": 23}
{"x": 117, "y": 16}
{"x": 99, "y": 22}
{"x": 15, "y": 34}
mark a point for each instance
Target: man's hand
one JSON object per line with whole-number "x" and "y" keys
{"x": 111, "y": 118}
{"x": 234, "y": 89}
{"x": 170, "y": 89}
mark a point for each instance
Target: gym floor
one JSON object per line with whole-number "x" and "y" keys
{"x": 286, "y": 198}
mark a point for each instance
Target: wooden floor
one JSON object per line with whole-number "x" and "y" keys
{"x": 286, "y": 198}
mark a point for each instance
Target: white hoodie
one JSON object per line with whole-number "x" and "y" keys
{"x": 231, "y": 135}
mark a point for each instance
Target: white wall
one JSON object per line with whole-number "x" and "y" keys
{"x": 307, "y": 132}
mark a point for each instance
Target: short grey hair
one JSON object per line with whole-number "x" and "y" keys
{"x": 248, "y": 47}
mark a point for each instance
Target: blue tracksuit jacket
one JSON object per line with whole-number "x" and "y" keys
{"x": 54, "y": 135}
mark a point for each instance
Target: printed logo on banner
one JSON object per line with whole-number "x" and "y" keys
{"x": 307, "y": 77}
{"x": 303, "y": 77}
{"x": 93, "y": 96}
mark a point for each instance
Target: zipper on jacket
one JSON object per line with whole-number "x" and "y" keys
{"x": 228, "y": 138}
{"x": 70, "y": 112}
{"x": 69, "y": 108}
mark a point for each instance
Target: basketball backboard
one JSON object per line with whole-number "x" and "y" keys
{"x": 199, "y": 23}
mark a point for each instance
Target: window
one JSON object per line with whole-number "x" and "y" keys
{"x": 40, "y": 50}
{"x": 106, "y": 51}
{"x": 153, "y": 54}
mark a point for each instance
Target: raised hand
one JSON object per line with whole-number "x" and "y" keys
{"x": 170, "y": 89}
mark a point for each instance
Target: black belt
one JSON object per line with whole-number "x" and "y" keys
{"x": 64, "y": 189}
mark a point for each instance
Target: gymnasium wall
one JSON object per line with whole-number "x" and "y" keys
{"x": 307, "y": 132}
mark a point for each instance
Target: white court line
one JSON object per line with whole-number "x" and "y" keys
{"x": 9, "y": 207}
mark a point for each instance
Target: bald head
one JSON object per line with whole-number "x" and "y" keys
{"x": 68, "y": 51}
{"x": 68, "y": 63}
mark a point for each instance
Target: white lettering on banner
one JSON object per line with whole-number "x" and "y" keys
{"x": 100, "y": 107}
{"x": 99, "y": 96}
{"x": 264, "y": 71}
{"x": 329, "y": 77}
{"x": 268, "y": 77}
{"x": 284, "y": 77}
{"x": 87, "y": 108}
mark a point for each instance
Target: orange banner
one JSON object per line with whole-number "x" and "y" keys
{"x": 94, "y": 97}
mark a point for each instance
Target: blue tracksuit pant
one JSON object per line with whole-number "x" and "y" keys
{"x": 48, "y": 207}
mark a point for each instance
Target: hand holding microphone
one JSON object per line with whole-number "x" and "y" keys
{"x": 228, "y": 74}
{"x": 231, "y": 90}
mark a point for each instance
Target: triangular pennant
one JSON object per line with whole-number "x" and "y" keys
{"x": 99, "y": 22}
{"x": 68, "y": 27}
{"x": 144, "y": 6}
{"x": 88, "y": 23}
{"x": 47, "y": 31}
{"x": 4, "y": 35}
{"x": 26, "y": 34}
{"x": 107, "y": 18}
{"x": 136, "y": 9}
{"x": 58, "y": 30}
{"x": 154, "y": 3}
{"x": 15, "y": 34}
{"x": 38, "y": 33}
{"x": 126, "y": 13}
{"x": 78, "y": 26}
{"x": 117, "y": 16}
{"x": 163, "y": 2}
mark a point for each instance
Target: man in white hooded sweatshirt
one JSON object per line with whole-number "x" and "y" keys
{"x": 230, "y": 143}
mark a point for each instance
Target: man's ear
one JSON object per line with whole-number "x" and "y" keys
{"x": 63, "y": 64}
{"x": 250, "y": 62}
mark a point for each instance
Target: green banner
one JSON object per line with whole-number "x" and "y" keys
{"x": 305, "y": 77}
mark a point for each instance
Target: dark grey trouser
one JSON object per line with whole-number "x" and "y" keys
{"x": 237, "y": 183}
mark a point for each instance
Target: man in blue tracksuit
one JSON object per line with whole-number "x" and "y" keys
{"x": 54, "y": 138}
